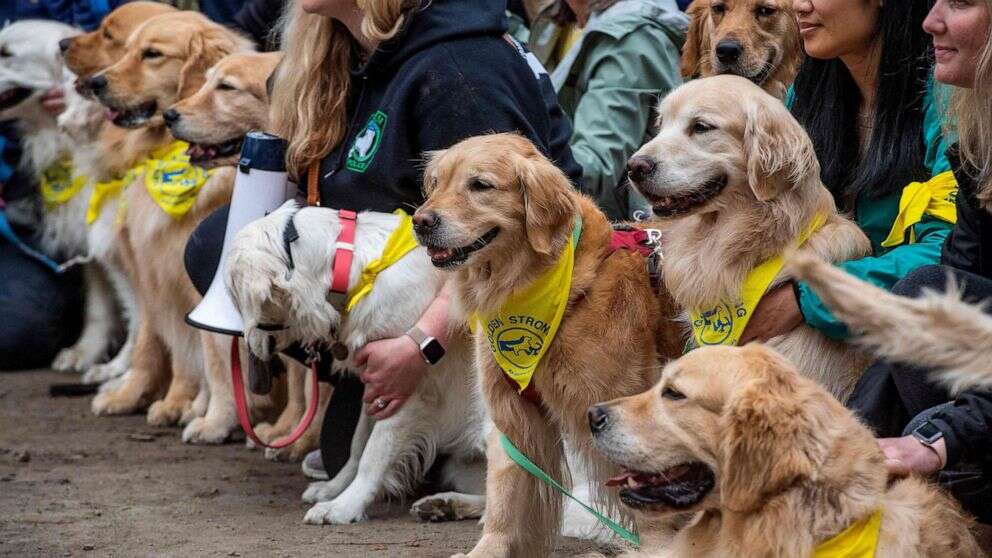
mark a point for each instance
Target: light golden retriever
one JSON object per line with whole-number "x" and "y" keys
{"x": 735, "y": 179}
{"x": 165, "y": 60}
{"x": 773, "y": 464}
{"x": 499, "y": 188}
{"x": 755, "y": 39}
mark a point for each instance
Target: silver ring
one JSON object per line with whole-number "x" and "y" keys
{"x": 380, "y": 403}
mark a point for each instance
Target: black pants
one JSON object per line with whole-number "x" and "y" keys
{"x": 202, "y": 258}
{"x": 889, "y": 396}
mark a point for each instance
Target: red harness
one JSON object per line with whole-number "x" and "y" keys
{"x": 344, "y": 255}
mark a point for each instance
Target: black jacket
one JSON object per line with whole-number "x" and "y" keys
{"x": 448, "y": 75}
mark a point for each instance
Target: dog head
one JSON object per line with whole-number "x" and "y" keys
{"x": 493, "y": 195}
{"x": 232, "y": 102}
{"x": 29, "y": 65}
{"x": 731, "y": 428}
{"x": 721, "y": 139}
{"x": 755, "y": 39}
{"x": 166, "y": 59}
{"x": 91, "y": 52}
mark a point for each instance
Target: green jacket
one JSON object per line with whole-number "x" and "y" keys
{"x": 609, "y": 84}
{"x": 875, "y": 217}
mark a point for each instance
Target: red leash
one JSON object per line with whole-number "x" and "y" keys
{"x": 241, "y": 403}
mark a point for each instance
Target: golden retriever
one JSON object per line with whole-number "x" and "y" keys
{"x": 165, "y": 60}
{"x": 735, "y": 179}
{"x": 755, "y": 39}
{"x": 500, "y": 189}
{"x": 773, "y": 464}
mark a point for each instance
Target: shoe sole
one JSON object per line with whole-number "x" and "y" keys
{"x": 315, "y": 474}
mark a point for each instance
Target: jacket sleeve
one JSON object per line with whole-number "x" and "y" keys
{"x": 624, "y": 79}
{"x": 258, "y": 18}
{"x": 882, "y": 271}
{"x": 963, "y": 248}
{"x": 966, "y": 428}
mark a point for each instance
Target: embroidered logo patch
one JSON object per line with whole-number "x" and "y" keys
{"x": 716, "y": 325}
{"x": 520, "y": 342}
{"x": 367, "y": 143}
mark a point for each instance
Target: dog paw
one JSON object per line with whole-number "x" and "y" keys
{"x": 111, "y": 403}
{"x": 165, "y": 413}
{"x": 333, "y": 513}
{"x": 201, "y": 431}
{"x": 101, "y": 373}
{"x": 264, "y": 432}
{"x": 70, "y": 359}
{"x": 434, "y": 509}
{"x": 188, "y": 416}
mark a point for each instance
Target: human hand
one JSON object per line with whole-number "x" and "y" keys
{"x": 906, "y": 455}
{"x": 393, "y": 370}
{"x": 53, "y": 101}
{"x": 776, "y": 314}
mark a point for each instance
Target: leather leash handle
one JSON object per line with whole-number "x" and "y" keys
{"x": 241, "y": 403}
{"x": 313, "y": 192}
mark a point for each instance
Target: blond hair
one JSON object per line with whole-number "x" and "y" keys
{"x": 312, "y": 84}
{"x": 970, "y": 112}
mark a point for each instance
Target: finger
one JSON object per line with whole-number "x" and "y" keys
{"x": 391, "y": 409}
{"x": 372, "y": 391}
{"x": 362, "y": 356}
{"x": 896, "y": 468}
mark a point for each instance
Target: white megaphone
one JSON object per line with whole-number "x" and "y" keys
{"x": 260, "y": 187}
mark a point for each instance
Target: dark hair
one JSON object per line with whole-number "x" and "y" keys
{"x": 827, "y": 102}
{"x": 561, "y": 13}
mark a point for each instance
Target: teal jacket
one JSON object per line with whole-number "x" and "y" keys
{"x": 609, "y": 84}
{"x": 886, "y": 266}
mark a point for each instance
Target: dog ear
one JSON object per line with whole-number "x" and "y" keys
{"x": 697, "y": 40}
{"x": 778, "y": 152}
{"x": 206, "y": 48}
{"x": 549, "y": 203}
{"x": 770, "y": 432}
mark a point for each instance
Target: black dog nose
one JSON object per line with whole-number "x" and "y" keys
{"x": 640, "y": 167}
{"x": 598, "y": 418}
{"x": 729, "y": 51}
{"x": 171, "y": 116}
{"x": 64, "y": 44}
{"x": 424, "y": 221}
{"x": 97, "y": 83}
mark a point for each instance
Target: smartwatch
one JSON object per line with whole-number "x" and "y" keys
{"x": 928, "y": 434}
{"x": 430, "y": 348}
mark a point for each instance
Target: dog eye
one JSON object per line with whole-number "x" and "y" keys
{"x": 764, "y": 11}
{"x": 479, "y": 185}
{"x": 700, "y": 127}
{"x": 719, "y": 9}
{"x": 4, "y": 53}
{"x": 669, "y": 393}
{"x": 224, "y": 86}
{"x": 150, "y": 53}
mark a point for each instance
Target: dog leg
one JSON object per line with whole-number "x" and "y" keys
{"x": 468, "y": 477}
{"x": 99, "y": 328}
{"x": 311, "y": 437}
{"x": 220, "y": 420}
{"x": 143, "y": 382}
{"x": 183, "y": 389}
{"x": 129, "y": 306}
{"x": 323, "y": 491}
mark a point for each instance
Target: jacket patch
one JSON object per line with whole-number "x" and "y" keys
{"x": 367, "y": 143}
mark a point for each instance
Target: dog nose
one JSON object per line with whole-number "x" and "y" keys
{"x": 424, "y": 221}
{"x": 171, "y": 116}
{"x": 97, "y": 83}
{"x": 598, "y": 418}
{"x": 728, "y": 51}
{"x": 640, "y": 167}
{"x": 64, "y": 44}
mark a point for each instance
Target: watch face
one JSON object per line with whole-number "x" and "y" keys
{"x": 928, "y": 432}
{"x": 433, "y": 351}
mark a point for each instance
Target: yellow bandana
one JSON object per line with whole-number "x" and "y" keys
{"x": 400, "y": 242}
{"x": 59, "y": 185}
{"x": 105, "y": 190}
{"x": 857, "y": 541}
{"x": 935, "y": 198}
{"x": 724, "y": 323}
{"x": 521, "y": 331}
{"x": 172, "y": 181}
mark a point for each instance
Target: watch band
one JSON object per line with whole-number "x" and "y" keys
{"x": 418, "y": 336}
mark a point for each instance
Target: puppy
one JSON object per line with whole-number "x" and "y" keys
{"x": 166, "y": 59}
{"x": 938, "y": 331}
{"x": 771, "y": 462}
{"x": 498, "y": 216}
{"x": 755, "y": 39}
{"x": 442, "y": 416}
{"x": 735, "y": 180}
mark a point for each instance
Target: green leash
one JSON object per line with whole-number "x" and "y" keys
{"x": 529, "y": 466}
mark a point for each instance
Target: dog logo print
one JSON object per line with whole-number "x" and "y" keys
{"x": 717, "y": 324}
{"x": 367, "y": 143}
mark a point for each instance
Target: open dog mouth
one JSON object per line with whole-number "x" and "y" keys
{"x": 132, "y": 117}
{"x": 682, "y": 203}
{"x": 679, "y": 487}
{"x": 202, "y": 152}
{"x": 452, "y": 257}
{"x": 12, "y": 97}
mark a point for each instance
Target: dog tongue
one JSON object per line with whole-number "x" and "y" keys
{"x": 194, "y": 151}
{"x": 439, "y": 253}
{"x": 112, "y": 114}
{"x": 621, "y": 479}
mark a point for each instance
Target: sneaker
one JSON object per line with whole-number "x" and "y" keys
{"x": 313, "y": 466}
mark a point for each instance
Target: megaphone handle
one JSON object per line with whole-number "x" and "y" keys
{"x": 241, "y": 403}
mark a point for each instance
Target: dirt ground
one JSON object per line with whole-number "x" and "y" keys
{"x": 72, "y": 484}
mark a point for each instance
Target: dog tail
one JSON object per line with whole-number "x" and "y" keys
{"x": 938, "y": 331}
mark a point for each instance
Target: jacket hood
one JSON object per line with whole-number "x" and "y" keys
{"x": 437, "y": 21}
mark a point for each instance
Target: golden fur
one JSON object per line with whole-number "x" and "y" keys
{"x": 771, "y": 190}
{"x": 791, "y": 467}
{"x": 605, "y": 345}
{"x": 771, "y": 52}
